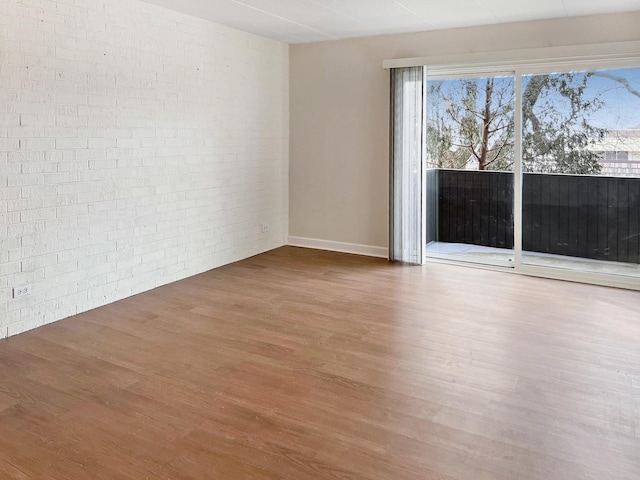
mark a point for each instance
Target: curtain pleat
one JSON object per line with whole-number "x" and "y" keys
{"x": 406, "y": 200}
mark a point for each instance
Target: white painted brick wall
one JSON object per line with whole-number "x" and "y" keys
{"x": 138, "y": 146}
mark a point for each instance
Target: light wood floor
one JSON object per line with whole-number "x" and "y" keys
{"x": 299, "y": 364}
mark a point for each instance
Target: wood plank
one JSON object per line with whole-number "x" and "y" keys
{"x": 493, "y": 211}
{"x": 468, "y": 199}
{"x": 602, "y": 220}
{"x": 527, "y": 212}
{"x": 508, "y": 208}
{"x": 634, "y": 221}
{"x": 612, "y": 219}
{"x": 546, "y": 217}
{"x": 485, "y": 213}
{"x": 456, "y": 215}
{"x": 623, "y": 221}
{"x": 582, "y": 230}
{"x": 564, "y": 215}
{"x": 594, "y": 215}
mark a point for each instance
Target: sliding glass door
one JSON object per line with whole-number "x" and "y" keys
{"x": 538, "y": 171}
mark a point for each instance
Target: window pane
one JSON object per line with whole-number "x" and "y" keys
{"x": 470, "y": 160}
{"x": 581, "y": 186}
{"x": 470, "y": 123}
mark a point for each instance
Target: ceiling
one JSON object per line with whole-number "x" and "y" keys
{"x": 302, "y": 21}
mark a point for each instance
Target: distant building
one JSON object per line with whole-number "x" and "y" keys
{"x": 620, "y": 153}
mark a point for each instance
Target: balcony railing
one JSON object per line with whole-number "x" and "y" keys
{"x": 584, "y": 216}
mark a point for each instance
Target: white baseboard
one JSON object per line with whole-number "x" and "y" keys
{"x": 356, "y": 248}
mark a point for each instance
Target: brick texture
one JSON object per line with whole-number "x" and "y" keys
{"x": 138, "y": 146}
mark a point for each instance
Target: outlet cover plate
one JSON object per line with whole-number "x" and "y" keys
{"x": 21, "y": 291}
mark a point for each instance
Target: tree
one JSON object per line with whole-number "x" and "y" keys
{"x": 556, "y": 129}
{"x": 471, "y": 123}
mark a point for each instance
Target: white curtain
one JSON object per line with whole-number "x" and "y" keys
{"x": 406, "y": 192}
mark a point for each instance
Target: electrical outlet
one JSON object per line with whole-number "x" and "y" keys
{"x": 21, "y": 291}
{"x": 265, "y": 227}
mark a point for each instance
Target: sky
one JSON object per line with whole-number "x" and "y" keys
{"x": 620, "y": 109}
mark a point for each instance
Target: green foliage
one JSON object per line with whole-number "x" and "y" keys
{"x": 471, "y": 123}
{"x": 556, "y": 130}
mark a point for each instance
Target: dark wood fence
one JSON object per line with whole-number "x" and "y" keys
{"x": 432, "y": 205}
{"x": 575, "y": 215}
{"x": 475, "y": 208}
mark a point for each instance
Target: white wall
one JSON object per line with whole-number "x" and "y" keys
{"x": 339, "y": 100}
{"x": 138, "y": 146}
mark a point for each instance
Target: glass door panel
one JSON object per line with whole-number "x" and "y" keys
{"x": 469, "y": 169}
{"x": 581, "y": 171}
